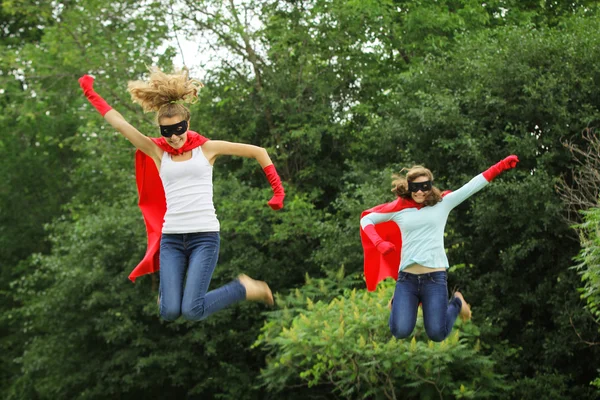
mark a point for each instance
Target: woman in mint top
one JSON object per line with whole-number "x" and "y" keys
{"x": 422, "y": 276}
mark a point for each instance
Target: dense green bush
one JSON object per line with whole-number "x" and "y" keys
{"x": 345, "y": 343}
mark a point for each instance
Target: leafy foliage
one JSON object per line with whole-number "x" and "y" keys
{"x": 589, "y": 263}
{"x": 345, "y": 343}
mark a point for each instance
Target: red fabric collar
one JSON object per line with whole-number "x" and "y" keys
{"x": 152, "y": 199}
{"x": 193, "y": 140}
{"x": 378, "y": 267}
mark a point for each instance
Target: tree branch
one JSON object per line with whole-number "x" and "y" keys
{"x": 579, "y": 335}
{"x": 582, "y": 190}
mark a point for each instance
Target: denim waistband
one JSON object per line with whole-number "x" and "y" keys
{"x": 436, "y": 274}
{"x": 190, "y": 234}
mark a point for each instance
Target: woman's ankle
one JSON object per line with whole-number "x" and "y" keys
{"x": 465, "y": 309}
{"x": 256, "y": 290}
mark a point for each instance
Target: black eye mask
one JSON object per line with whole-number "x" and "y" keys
{"x": 414, "y": 187}
{"x": 176, "y": 129}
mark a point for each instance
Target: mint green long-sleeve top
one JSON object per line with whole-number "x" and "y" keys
{"x": 423, "y": 229}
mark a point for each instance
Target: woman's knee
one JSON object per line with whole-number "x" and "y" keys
{"x": 399, "y": 331}
{"x": 169, "y": 313}
{"x": 436, "y": 335}
{"x": 191, "y": 313}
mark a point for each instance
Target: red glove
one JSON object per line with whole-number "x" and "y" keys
{"x": 87, "y": 84}
{"x": 495, "y": 170}
{"x": 276, "y": 201}
{"x": 382, "y": 246}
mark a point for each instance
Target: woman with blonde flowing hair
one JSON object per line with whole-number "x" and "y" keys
{"x": 174, "y": 178}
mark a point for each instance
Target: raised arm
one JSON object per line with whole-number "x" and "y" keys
{"x": 508, "y": 163}
{"x": 215, "y": 148}
{"x": 477, "y": 183}
{"x": 113, "y": 117}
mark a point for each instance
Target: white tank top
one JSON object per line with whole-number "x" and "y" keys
{"x": 189, "y": 193}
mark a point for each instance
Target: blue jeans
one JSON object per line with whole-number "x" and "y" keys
{"x": 432, "y": 291}
{"x": 194, "y": 255}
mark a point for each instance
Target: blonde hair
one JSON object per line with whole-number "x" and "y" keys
{"x": 165, "y": 93}
{"x": 400, "y": 184}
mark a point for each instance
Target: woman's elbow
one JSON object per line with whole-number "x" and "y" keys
{"x": 261, "y": 154}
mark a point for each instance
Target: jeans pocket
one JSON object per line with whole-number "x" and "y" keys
{"x": 164, "y": 244}
{"x": 440, "y": 278}
{"x": 402, "y": 276}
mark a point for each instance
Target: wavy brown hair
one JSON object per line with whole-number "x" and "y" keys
{"x": 400, "y": 184}
{"x": 165, "y": 93}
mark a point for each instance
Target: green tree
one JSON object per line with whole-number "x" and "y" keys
{"x": 341, "y": 93}
{"x": 33, "y": 164}
{"x": 45, "y": 47}
{"x": 589, "y": 265}
{"x": 579, "y": 190}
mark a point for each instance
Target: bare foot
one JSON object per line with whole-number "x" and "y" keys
{"x": 256, "y": 290}
{"x": 465, "y": 309}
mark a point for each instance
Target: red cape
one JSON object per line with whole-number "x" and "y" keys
{"x": 152, "y": 200}
{"x": 378, "y": 267}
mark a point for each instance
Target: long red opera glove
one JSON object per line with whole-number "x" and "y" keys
{"x": 382, "y": 246}
{"x": 276, "y": 201}
{"x": 87, "y": 84}
{"x": 495, "y": 170}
